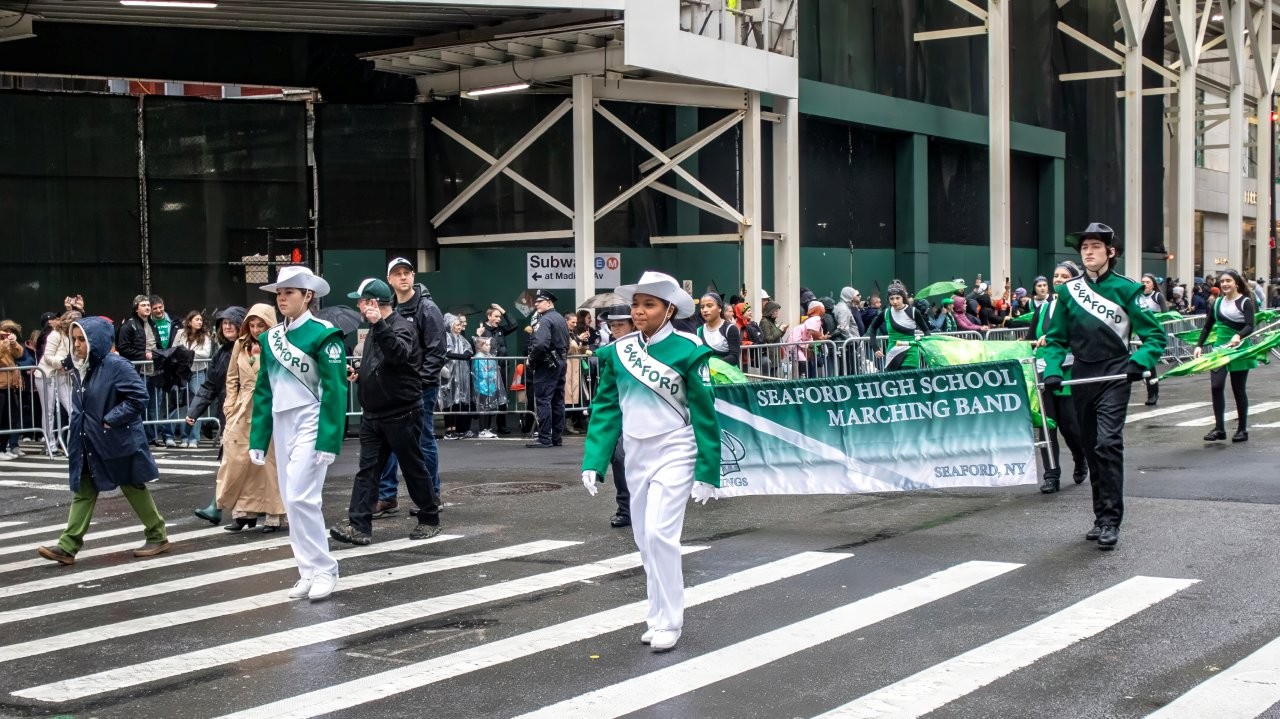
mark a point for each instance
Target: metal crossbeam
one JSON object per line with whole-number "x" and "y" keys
{"x": 658, "y": 155}
{"x": 719, "y": 128}
{"x": 505, "y": 237}
{"x": 949, "y": 34}
{"x": 507, "y": 158}
{"x": 1090, "y": 43}
{"x": 520, "y": 179}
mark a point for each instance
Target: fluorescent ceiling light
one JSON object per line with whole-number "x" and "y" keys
{"x": 495, "y": 90}
{"x": 186, "y": 4}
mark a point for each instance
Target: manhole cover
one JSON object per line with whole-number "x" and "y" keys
{"x": 500, "y": 488}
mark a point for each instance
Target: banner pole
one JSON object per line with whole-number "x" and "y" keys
{"x": 1044, "y": 415}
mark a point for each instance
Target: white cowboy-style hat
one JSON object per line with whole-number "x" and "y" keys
{"x": 662, "y": 286}
{"x": 298, "y": 278}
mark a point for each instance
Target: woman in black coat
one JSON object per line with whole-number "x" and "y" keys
{"x": 106, "y": 448}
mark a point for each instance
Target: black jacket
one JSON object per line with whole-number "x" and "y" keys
{"x": 428, "y": 323}
{"x": 549, "y": 346}
{"x": 214, "y": 390}
{"x": 389, "y": 381}
{"x": 498, "y": 336}
{"x": 131, "y": 340}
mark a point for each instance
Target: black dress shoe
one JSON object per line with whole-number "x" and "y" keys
{"x": 619, "y": 520}
{"x": 537, "y": 445}
{"x": 1240, "y": 436}
{"x": 1108, "y": 537}
{"x": 1049, "y": 485}
{"x": 1216, "y": 435}
{"x": 241, "y": 523}
{"x": 1080, "y": 474}
{"x": 557, "y": 444}
{"x": 1093, "y": 534}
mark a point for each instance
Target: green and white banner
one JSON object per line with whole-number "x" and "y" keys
{"x": 962, "y": 426}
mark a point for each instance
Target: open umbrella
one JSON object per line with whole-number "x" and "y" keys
{"x": 462, "y": 310}
{"x": 940, "y": 288}
{"x": 602, "y": 300}
{"x": 340, "y": 316}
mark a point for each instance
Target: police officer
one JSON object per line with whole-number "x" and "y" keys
{"x": 1097, "y": 315}
{"x": 548, "y": 366}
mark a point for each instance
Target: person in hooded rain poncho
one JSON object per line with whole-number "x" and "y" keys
{"x": 106, "y": 447}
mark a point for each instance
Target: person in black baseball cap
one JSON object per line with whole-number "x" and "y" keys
{"x": 620, "y": 325}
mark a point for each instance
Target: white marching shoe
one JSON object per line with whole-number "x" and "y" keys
{"x": 647, "y": 636}
{"x": 300, "y": 589}
{"x": 664, "y": 639}
{"x": 322, "y": 586}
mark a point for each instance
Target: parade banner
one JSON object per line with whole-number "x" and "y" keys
{"x": 967, "y": 426}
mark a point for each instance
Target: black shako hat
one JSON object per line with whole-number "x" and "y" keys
{"x": 544, "y": 295}
{"x": 1095, "y": 231}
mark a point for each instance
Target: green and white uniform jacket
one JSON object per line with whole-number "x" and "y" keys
{"x": 305, "y": 364}
{"x": 1095, "y": 320}
{"x": 650, "y": 389}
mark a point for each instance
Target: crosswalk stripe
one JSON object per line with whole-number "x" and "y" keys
{"x": 188, "y": 462}
{"x": 246, "y": 649}
{"x": 415, "y": 676}
{"x": 943, "y": 683}
{"x": 1245, "y": 690}
{"x": 201, "y": 580}
{"x": 672, "y": 681}
{"x": 1208, "y": 421}
{"x": 35, "y": 530}
{"x": 1172, "y": 409}
{"x": 1269, "y": 425}
{"x": 31, "y": 546}
{"x": 76, "y": 576}
{"x": 154, "y": 622}
{"x": 34, "y": 465}
{"x": 11, "y": 524}
{"x": 19, "y": 484}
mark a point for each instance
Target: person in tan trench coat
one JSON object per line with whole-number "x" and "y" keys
{"x": 248, "y": 490}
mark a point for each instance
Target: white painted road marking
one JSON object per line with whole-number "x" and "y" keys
{"x": 155, "y": 622}
{"x": 672, "y": 681}
{"x": 1208, "y": 421}
{"x": 1173, "y": 409}
{"x": 1245, "y": 690}
{"x": 943, "y": 683}
{"x": 246, "y": 649}
{"x": 31, "y": 546}
{"x": 36, "y": 530}
{"x": 415, "y": 676}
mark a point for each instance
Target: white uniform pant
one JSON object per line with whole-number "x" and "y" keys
{"x": 660, "y": 479}
{"x": 301, "y": 487}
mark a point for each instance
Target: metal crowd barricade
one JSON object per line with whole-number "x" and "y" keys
{"x": 1176, "y": 350}
{"x": 793, "y": 360}
{"x": 167, "y": 408}
{"x": 961, "y": 334}
{"x": 23, "y": 411}
{"x": 1008, "y": 333}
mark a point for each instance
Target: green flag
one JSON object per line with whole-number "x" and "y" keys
{"x": 943, "y": 351}
{"x": 1222, "y": 357}
{"x": 724, "y": 373}
{"x": 1169, "y": 316}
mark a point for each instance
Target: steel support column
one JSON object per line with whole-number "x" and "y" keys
{"x": 998, "y": 127}
{"x": 786, "y": 208}
{"x": 584, "y": 196}
{"x": 1234, "y": 14}
{"x": 1131, "y": 11}
{"x": 1264, "y": 64}
{"x": 752, "y": 204}
{"x": 1188, "y": 30}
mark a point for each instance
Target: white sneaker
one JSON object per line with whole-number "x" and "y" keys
{"x": 647, "y": 637}
{"x": 5, "y": 456}
{"x": 170, "y": 443}
{"x": 487, "y": 434}
{"x": 664, "y": 639}
{"x": 301, "y": 589}
{"x": 322, "y": 586}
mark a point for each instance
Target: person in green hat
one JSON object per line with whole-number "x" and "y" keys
{"x": 1098, "y": 314}
{"x": 391, "y": 396}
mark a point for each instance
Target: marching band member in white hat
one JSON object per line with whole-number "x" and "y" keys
{"x": 304, "y": 402}
{"x": 655, "y": 391}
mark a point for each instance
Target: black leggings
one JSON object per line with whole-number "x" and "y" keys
{"x": 1217, "y": 385}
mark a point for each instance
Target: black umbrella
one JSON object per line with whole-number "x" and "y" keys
{"x": 340, "y": 316}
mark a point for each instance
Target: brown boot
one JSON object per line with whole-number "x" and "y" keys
{"x": 151, "y": 549}
{"x": 57, "y": 554}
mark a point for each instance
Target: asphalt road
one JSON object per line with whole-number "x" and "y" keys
{"x": 966, "y": 603}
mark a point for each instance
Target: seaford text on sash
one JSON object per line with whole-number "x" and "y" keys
{"x": 906, "y": 399}
{"x": 652, "y": 373}
{"x": 1091, "y": 302}
{"x": 286, "y": 355}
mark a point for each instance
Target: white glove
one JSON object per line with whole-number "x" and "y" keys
{"x": 324, "y": 459}
{"x": 702, "y": 492}
{"x": 589, "y": 479}
{"x": 258, "y": 457}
